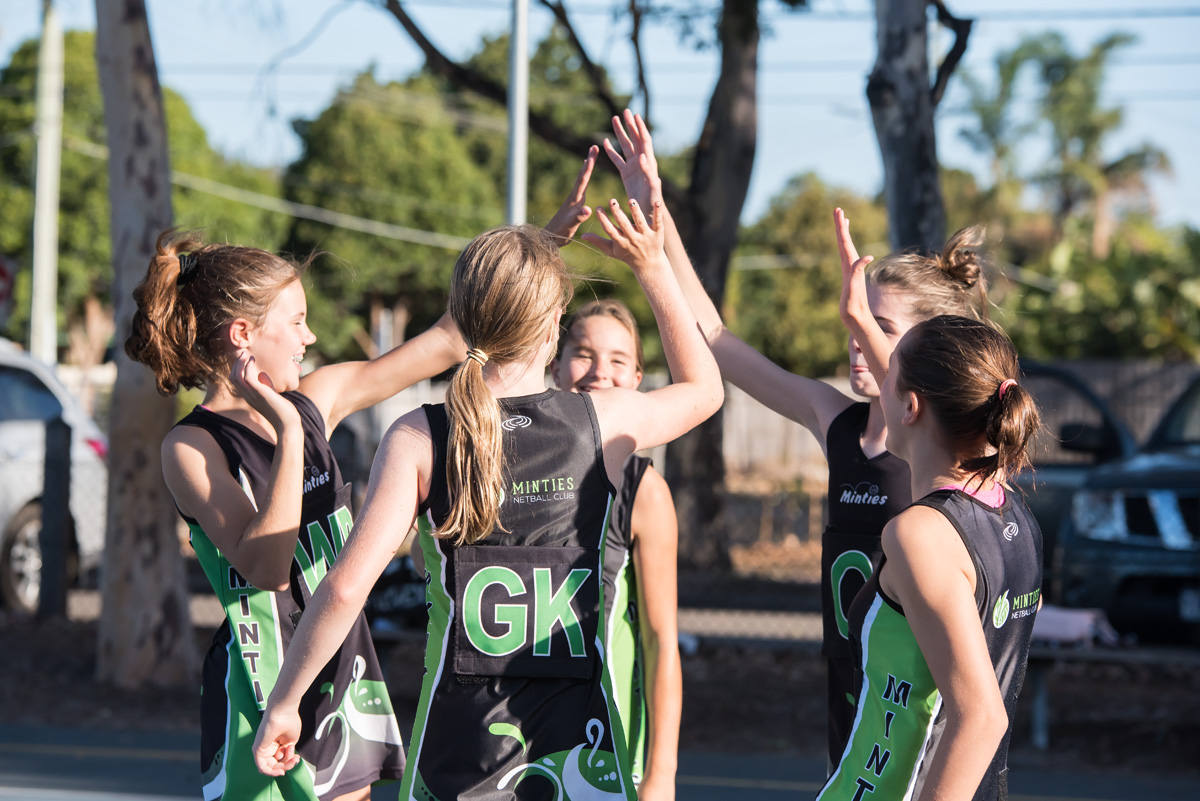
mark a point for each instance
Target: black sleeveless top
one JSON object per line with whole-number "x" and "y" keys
{"x": 349, "y": 737}
{"x": 864, "y": 494}
{"x": 900, "y": 720}
{"x": 516, "y": 701}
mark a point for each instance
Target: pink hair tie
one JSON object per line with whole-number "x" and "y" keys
{"x": 1005, "y": 384}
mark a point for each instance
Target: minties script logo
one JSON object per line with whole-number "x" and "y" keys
{"x": 1011, "y": 531}
{"x": 515, "y": 422}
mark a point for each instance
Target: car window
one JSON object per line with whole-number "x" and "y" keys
{"x": 1183, "y": 426}
{"x": 1064, "y": 410}
{"x": 24, "y": 397}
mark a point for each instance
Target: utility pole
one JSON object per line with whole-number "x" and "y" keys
{"x": 518, "y": 111}
{"x": 43, "y": 336}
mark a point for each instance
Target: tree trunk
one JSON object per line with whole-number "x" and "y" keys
{"x": 708, "y": 223}
{"x": 145, "y": 634}
{"x": 902, "y": 108}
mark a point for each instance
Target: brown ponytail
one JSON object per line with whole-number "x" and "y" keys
{"x": 952, "y": 282}
{"x": 967, "y": 372}
{"x": 190, "y": 293}
{"x": 506, "y": 287}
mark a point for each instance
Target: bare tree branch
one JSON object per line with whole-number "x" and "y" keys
{"x": 962, "y": 31}
{"x": 472, "y": 80}
{"x": 540, "y": 124}
{"x": 635, "y": 38}
{"x": 595, "y": 73}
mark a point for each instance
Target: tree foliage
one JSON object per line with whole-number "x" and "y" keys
{"x": 84, "y": 261}
{"x": 783, "y": 293}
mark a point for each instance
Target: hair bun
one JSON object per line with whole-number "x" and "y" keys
{"x": 961, "y": 259}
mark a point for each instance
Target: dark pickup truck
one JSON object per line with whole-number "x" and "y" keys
{"x": 1128, "y": 540}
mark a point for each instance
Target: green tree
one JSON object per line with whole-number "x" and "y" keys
{"x": 422, "y": 154}
{"x": 389, "y": 152}
{"x": 1082, "y": 177}
{"x": 784, "y": 289}
{"x": 1142, "y": 300}
{"x": 84, "y": 260}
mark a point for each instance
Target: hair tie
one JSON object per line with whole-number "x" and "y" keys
{"x": 477, "y": 355}
{"x": 187, "y": 268}
{"x": 1005, "y": 384}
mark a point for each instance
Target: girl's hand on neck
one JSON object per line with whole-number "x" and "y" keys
{"x": 257, "y": 390}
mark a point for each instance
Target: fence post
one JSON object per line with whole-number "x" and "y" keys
{"x": 56, "y": 520}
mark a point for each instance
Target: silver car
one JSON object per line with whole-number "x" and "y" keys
{"x": 30, "y": 396}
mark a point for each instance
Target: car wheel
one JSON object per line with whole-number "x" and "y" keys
{"x": 21, "y": 561}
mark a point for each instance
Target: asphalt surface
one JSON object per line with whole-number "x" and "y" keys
{"x": 50, "y": 764}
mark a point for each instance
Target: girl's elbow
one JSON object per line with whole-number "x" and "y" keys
{"x": 989, "y": 720}
{"x": 269, "y": 580}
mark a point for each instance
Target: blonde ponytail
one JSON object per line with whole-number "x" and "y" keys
{"x": 474, "y": 457}
{"x": 507, "y": 285}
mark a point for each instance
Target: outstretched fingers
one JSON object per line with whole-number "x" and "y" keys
{"x": 579, "y": 190}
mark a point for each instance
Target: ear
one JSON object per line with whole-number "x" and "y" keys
{"x": 240, "y": 333}
{"x": 554, "y": 372}
{"x": 914, "y": 407}
{"x": 637, "y": 379}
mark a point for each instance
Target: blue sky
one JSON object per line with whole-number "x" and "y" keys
{"x": 813, "y": 115}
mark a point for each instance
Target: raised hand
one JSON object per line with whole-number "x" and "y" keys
{"x": 574, "y": 210}
{"x": 854, "y": 308}
{"x": 259, "y": 391}
{"x": 853, "y": 304}
{"x": 635, "y": 162}
{"x": 633, "y": 239}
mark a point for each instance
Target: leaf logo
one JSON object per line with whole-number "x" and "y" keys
{"x": 1000, "y": 611}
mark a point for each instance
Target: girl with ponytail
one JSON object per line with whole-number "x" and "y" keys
{"x": 942, "y": 628}
{"x": 511, "y": 488}
{"x": 254, "y": 477}
{"x": 868, "y": 485}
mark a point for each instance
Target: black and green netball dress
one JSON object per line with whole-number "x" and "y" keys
{"x": 899, "y": 725}
{"x": 864, "y": 494}
{"x": 623, "y": 637}
{"x": 516, "y": 702}
{"x": 349, "y": 736}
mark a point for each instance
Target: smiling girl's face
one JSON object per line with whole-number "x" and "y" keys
{"x": 278, "y": 343}
{"x": 892, "y": 313}
{"x": 599, "y": 352}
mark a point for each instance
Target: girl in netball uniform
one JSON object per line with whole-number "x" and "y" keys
{"x": 252, "y": 473}
{"x": 942, "y": 628}
{"x": 868, "y": 485}
{"x": 510, "y": 485}
{"x": 602, "y": 348}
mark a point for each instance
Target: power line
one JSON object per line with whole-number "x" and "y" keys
{"x": 304, "y": 211}
{"x": 982, "y": 15}
{"x": 669, "y": 67}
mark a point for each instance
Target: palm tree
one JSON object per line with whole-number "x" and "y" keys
{"x": 1081, "y": 176}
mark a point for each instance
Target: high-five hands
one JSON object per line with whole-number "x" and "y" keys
{"x": 633, "y": 239}
{"x": 574, "y": 210}
{"x": 635, "y": 162}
